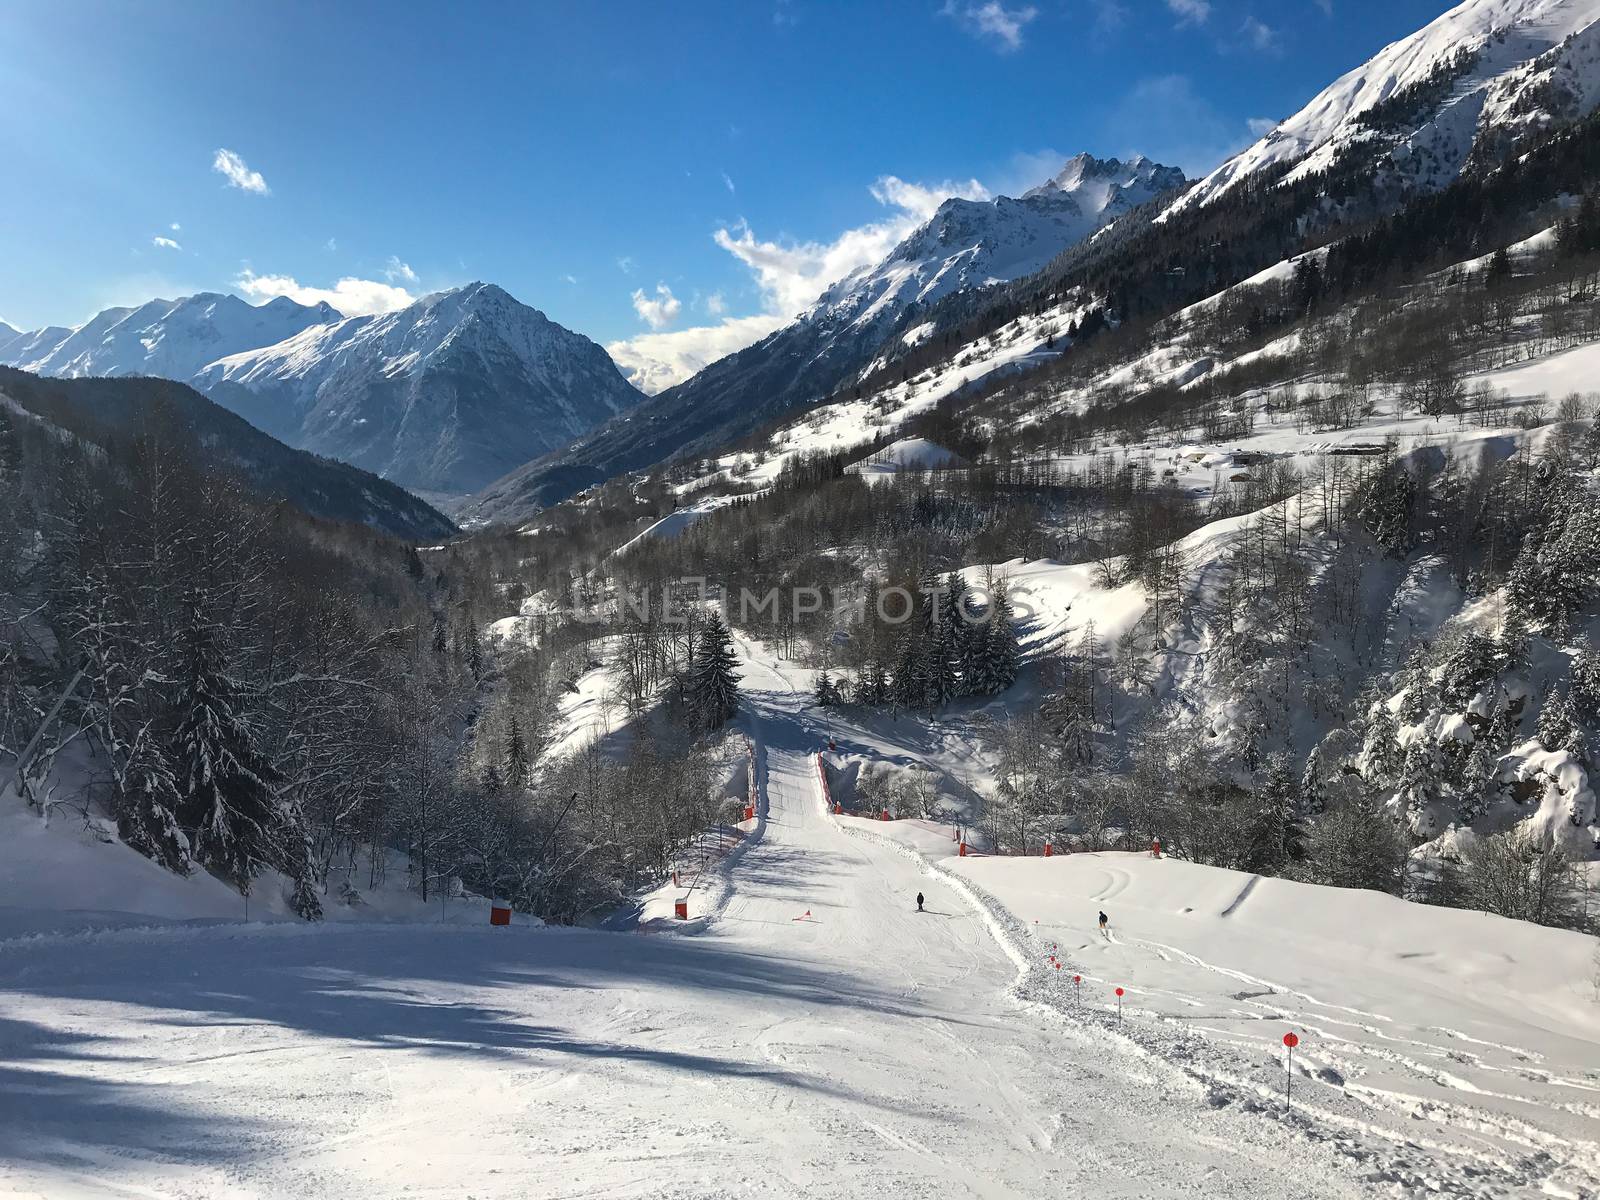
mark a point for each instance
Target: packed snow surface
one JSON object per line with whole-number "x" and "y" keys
{"x": 808, "y": 1033}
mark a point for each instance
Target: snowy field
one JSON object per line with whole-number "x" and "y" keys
{"x": 808, "y": 1033}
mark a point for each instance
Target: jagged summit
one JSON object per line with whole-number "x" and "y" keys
{"x": 1110, "y": 178}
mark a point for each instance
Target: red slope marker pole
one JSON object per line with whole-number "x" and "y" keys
{"x": 1077, "y": 985}
{"x": 1290, "y": 1041}
{"x": 1119, "y": 1006}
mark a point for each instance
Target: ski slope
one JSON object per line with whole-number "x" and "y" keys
{"x": 864, "y": 1049}
{"x": 806, "y": 1033}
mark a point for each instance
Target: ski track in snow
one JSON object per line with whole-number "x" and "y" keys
{"x": 865, "y": 1049}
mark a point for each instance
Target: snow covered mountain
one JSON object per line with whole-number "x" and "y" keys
{"x": 445, "y": 395}
{"x": 1464, "y": 88}
{"x": 172, "y": 339}
{"x": 964, "y": 246}
{"x": 971, "y": 243}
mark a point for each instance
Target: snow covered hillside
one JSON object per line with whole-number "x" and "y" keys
{"x": 1470, "y": 83}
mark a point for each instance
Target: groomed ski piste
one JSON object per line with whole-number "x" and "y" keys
{"x": 808, "y": 1033}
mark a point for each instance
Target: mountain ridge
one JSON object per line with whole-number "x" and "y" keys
{"x": 443, "y": 396}
{"x": 964, "y": 246}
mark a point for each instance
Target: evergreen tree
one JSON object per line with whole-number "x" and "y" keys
{"x": 1380, "y": 752}
{"x": 941, "y": 682}
{"x": 713, "y": 682}
{"x": 1275, "y": 832}
{"x": 1477, "y": 778}
{"x": 1584, "y": 691}
{"x": 414, "y": 567}
{"x": 875, "y": 686}
{"x": 910, "y": 687}
{"x": 1553, "y": 576}
{"x": 1386, "y": 508}
{"x": 1313, "y": 787}
{"x": 228, "y": 787}
{"x": 519, "y": 767}
{"x": 1556, "y": 721}
{"x": 1417, "y": 786}
{"x": 1498, "y": 273}
{"x": 1503, "y": 727}
{"x": 1414, "y": 702}
{"x": 147, "y": 804}
{"x": 998, "y": 663}
{"x": 825, "y": 694}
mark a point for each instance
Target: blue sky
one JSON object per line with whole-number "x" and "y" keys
{"x": 679, "y": 176}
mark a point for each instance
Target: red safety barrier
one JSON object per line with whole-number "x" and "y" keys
{"x": 1049, "y": 850}
{"x": 680, "y": 909}
{"x": 961, "y": 851}
{"x": 827, "y": 792}
{"x": 499, "y": 915}
{"x": 749, "y": 812}
{"x": 885, "y": 815}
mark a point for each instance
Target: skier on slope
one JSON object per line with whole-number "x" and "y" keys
{"x": 919, "y": 901}
{"x": 1104, "y": 922}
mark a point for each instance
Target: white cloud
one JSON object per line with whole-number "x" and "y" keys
{"x": 1258, "y": 35}
{"x": 654, "y": 362}
{"x": 790, "y": 276}
{"x": 175, "y": 227}
{"x": 331, "y": 245}
{"x": 1261, "y": 126}
{"x": 728, "y": 180}
{"x": 165, "y": 243}
{"x": 570, "y": 278}
{"x": 1109, "y": 15}
{"x": 233, "y": 168}
{"x": 625, "y": 264}
{"x": 993, "y": 20}
{"x": 1190, "y": 10}
{"x": 399, "y": 270}
{"x": 657, "y": 311}
{"x": 352, "y": 297}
